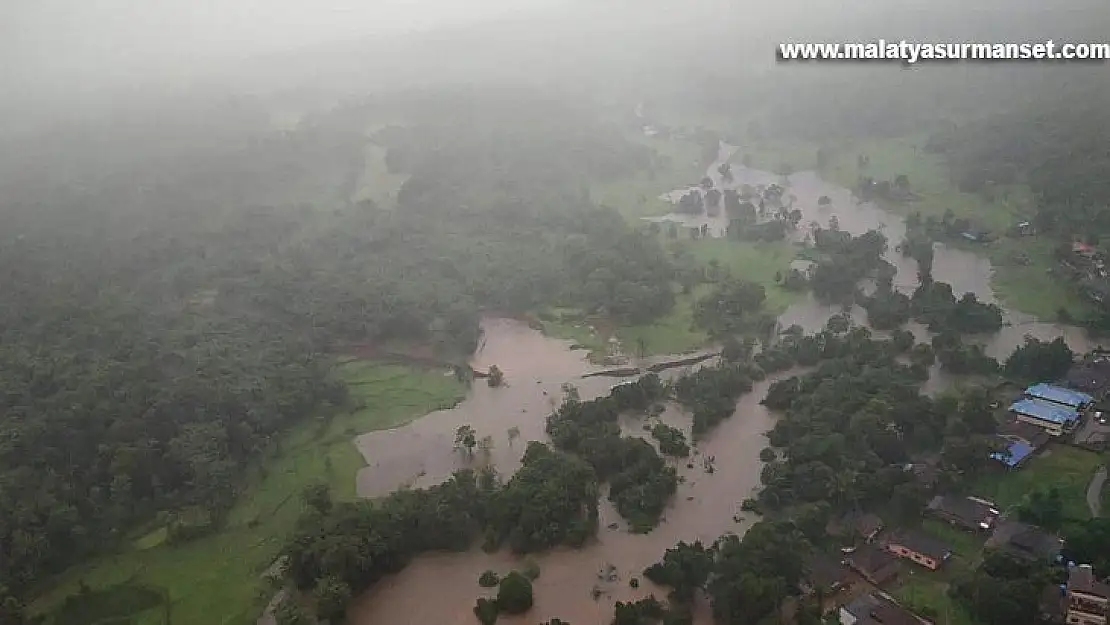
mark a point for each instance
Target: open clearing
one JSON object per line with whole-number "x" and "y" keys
{"x": 677, "y": 163}
{"x": 1067, "y": 468}
{"x": 217, "y": 579}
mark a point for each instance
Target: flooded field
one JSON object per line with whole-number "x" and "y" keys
{"x": 442, "y": 588}
{"x": 535, "y": 368}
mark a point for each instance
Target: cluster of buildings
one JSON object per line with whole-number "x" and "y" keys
{"x": 878, "y": 559}
{"x": 1045, "y": 412}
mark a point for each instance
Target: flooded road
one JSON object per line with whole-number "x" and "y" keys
{"x": 442, "y": 588}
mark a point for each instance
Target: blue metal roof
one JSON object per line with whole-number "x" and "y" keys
{"x": 1059, "y": 395}
{"x": 1014, "y": 454}
{"x": 1045, "y": 411}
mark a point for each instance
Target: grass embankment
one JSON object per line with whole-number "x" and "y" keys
{"x": 1066, "y": 468}
{"x": 1030, "y": 288}
{"x": 676, "y": 164}
{"x": 218, "y": 579}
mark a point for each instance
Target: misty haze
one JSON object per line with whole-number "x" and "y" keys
{"x": 552, "y": 311}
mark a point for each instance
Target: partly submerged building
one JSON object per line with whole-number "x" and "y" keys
{"x": 1059, "y": 395}
{"x": 1052, "y": 417}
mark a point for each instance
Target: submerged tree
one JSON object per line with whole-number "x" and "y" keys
{"x": 496, "y": 377}
{"x": 466, "y": 439}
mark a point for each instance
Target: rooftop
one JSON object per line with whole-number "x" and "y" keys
{"x": 1016, "y": 453}
{"x": 1058, "y": 395}
{"x": 824, "y": 572}
{"x": 880, "y": 609}
{"x": 878, "y": 564}
{"x": 1089, "y": 376}
{"x": 1082, "y": 579}
{"x": 1013, "y": 429}
{"x": 1045, "y": 411}
{"x": 966, "y": 510}
{"x": 1025, "y": 540}
{"x": 863, "y": 524}
{"x": 922, "y": 543}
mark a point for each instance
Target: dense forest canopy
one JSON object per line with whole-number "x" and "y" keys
{"x": 156, "y": 336}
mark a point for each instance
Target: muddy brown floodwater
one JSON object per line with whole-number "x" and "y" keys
{"x": 442, "y": 588}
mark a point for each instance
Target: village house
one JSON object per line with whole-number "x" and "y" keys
{"x": 1091, "y": 377}
{"x": 1059, "y": 395}
{"x": 1025, "y": 541}
{"x": 875, "y": 564}
{"x": 825, "y": 575}
{"x": 927, "y": 474}
{"x": 1015, "y": 430}
{"x": 919, "y": 548}
{"x": 1015, "y": 453}
{"x": 1088, "y": 598}
{"x": 854, "y": 525}
{"x": 878, "y": 608}
{"x": 1052, "y": 417}
{"x": 968, "y": 513}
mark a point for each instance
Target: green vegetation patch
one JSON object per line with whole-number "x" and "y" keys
{"x": 672, "y": 333}
{"x": 1067, "y": 468}
{"x": 754, "y": 261}
{"x": 118, "y": 604}
{"x": 152, "y": 539}
{"x": 964, "y": 544}
{"x": 219, "y": 578}
{"x": 674, "y": 165}
{"x": 927, "y": 594}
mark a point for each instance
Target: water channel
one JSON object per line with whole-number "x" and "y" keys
{"x": 442, "y": 588}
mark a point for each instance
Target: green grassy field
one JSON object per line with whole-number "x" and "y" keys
{"x": 1067, "y": 468}
{"x": 966, "y": 545}
{"x": 217, "y": 579}
{"x": 677, "y": 164}
{"x": 927, "y": 594}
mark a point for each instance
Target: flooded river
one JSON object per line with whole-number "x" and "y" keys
{"x": 442, "y": 588}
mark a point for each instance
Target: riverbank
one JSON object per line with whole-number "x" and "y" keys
{"x": 1022, "y": 279}
{"x": 219, "y": 578}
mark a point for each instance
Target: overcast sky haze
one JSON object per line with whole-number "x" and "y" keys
{"x": 49, "y": 41}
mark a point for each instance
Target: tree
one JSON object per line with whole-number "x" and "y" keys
{"x": 289, "y": 612}
{"x": 486, "y": 610}
{"x": 318, "y": 497}
{"x": 514, "y": 594}
{"x": 496, "y": 377}
{"x": 1039, "y": 360}
{"x": 685, "y": 568}
{"x": 332, "y": 595}
{"x": 1043, "y": 508}
{"x": 486, "y": 447}
{"x": 466, "y": 439}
